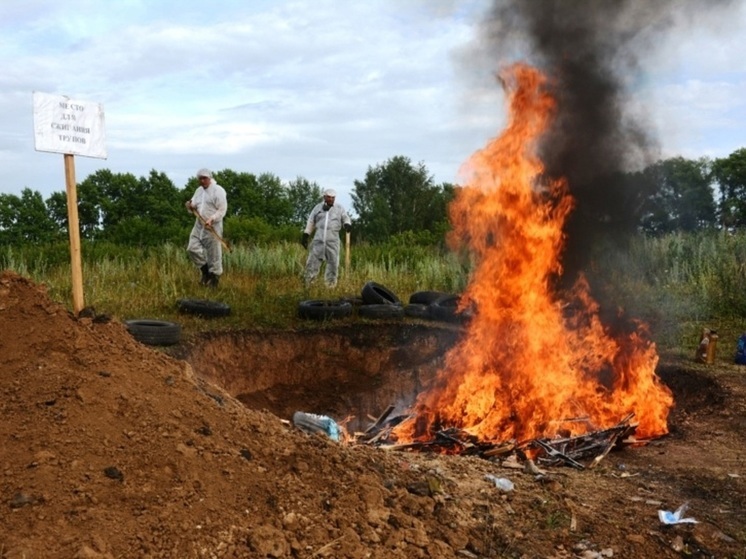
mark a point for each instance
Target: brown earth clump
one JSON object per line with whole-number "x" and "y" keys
{"x": 112, "y": 449}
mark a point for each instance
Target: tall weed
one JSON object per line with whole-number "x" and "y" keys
{"x": 677, "y": 283}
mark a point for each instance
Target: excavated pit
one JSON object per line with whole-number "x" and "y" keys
{"x": 352, "y": 372}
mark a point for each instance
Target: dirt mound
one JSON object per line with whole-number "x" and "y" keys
{"x": 113, "y": 449}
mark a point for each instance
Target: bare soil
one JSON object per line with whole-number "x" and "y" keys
{"x": 113, "y": 449}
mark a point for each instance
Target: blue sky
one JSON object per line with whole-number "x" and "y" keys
{"x": 320, "y": 89}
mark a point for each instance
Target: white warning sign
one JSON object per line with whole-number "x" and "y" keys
{"x": 64, "y": 125}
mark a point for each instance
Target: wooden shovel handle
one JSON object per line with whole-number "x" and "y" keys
{"x": 211, "y": 230}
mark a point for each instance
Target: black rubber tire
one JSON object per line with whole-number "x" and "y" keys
{"x": 154, "y": 332}
{"x": 354, "y": 301}
{"x": 417, "y": 310}
{"x": 381, "y": 311}
{"x": 203, "y": 307}
{"x": 324, "y": 309}
{"x": 444, "y": 308}
{"x": 376, "y": 294}
{"x": 425, "y": 297}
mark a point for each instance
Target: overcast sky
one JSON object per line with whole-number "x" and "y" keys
{"x": 320, "y": 89}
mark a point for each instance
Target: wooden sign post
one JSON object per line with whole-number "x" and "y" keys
{"x": 62, "y": 125}
{"x": 76, "y": 261}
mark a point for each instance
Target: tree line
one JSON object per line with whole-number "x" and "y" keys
{"x": 394, "y": 198}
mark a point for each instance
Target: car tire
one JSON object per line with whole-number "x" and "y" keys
{"x": 417, "y": 310}
{"x": 376, "y": 294}
{"x": 154, "y": 332}
{"x": 381, "y": 311}
{"x": 324, "y": 309}
{"x": 425, "y": 297}
{"x": 203, "y": 307}
{"x": 445, "y": 309}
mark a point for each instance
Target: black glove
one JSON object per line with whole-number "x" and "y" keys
{"x": 347, "y": 227}
{"x": 304, "y": 240}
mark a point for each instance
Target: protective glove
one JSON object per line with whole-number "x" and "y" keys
{"x": 347, "y": 227}
{"x": 304, "y": 240}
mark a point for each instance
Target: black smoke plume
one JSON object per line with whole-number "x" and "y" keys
{"x": 591, "y": 51}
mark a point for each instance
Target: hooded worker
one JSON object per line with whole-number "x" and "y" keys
{"x": 205, "y": 250}
{"x": 326, "y": 218}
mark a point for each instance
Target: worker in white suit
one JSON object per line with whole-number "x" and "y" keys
{"x": 325, "y": 221}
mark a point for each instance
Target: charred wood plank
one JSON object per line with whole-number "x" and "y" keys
{"x": 601, "y": 456}
{"x": 554, "y": 453}
{"x": 381, "y": 418}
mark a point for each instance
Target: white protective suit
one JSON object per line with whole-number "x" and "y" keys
{"x": 204, "y": 247}
{"x": 325, "y": 244}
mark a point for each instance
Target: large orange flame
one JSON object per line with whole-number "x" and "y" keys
{"x": 528, "y": 361}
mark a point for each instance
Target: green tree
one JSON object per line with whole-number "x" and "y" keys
{"x": 263, "y": 197}
{"x": 149, "y": 211}
{"x": 25, "y": 219}
{"x": 303, "y": 195}
{"x": 90, "y": 206}
{"x": 397, "y": 196}
{"x": 121, "y": 208}
{"x": 57, "y": 208}
{"x": 108, "y": 199}
{"x": 681, "y": 197}
{"x": 730, "y": 175}
{"x": 241, "y": 189}
{"x": 275, "y": 208}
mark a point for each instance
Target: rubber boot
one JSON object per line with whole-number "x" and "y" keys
{"x": 205, "y": 274}
{"x": 212, "y": 282}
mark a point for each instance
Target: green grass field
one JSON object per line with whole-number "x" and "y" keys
{"x": 676, "y": 284}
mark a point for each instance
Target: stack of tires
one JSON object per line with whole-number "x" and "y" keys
{"x": 324, "y": 309}
{"x": 379, "y": 302}
{"x": 436, "y": 305}
{"x": 445, "y": 308}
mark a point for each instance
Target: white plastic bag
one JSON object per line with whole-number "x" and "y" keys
{"x": 668, "y": 517}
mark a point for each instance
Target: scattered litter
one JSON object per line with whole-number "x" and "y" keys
{"x": 625, "y": 474}
{"x": 582, "y": 548}
{"x": 512, "y": 462}
{"x": 532, "y": 468}
{"x": 502, "y": 483}
{"x": 313, "y": 423}
{"x": 676, "y": 517}
{"x": 588, "y": 554}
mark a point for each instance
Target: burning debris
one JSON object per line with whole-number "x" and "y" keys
{"x": 530, "y": 354}
{"x": 563, "y": 451}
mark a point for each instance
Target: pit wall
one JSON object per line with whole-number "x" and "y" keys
{"x": 351, "y": 373}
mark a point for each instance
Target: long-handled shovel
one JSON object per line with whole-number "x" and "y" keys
{"x": 347, "y": 254}
{"x": 223, "y": 242}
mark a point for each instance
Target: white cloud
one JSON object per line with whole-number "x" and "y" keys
{"x": 320, "y": 89}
